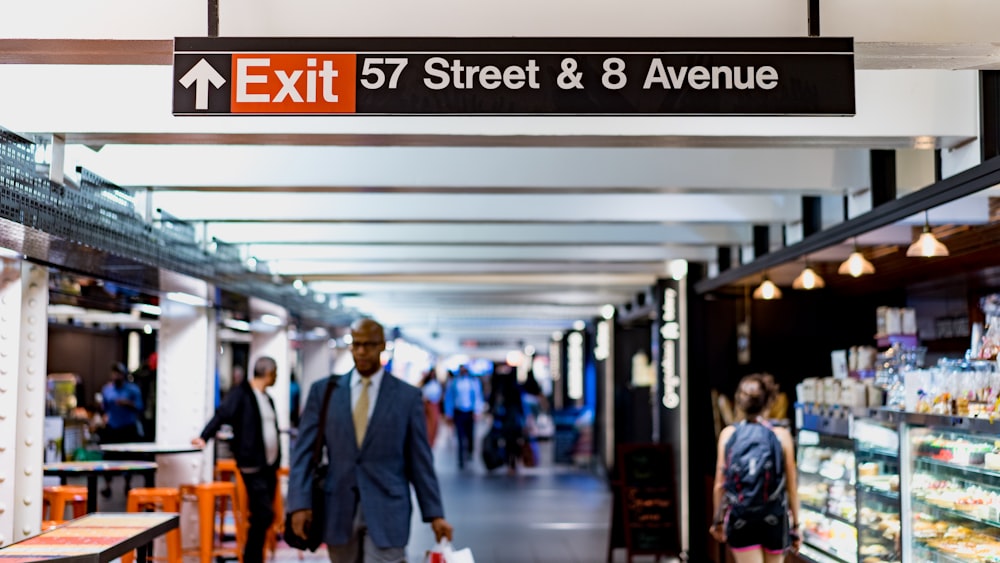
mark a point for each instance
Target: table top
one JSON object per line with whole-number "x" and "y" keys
{"x": 81, "y": 467}
{"x": 98, "y": 537}
{"x": 150, "y": 448}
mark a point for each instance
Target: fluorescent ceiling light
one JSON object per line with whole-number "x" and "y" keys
{"x": 187, "y": 299}
{"x": 147, "y": 308}
{"x": 237, "y": 324}
{"x": 272, "y": 320}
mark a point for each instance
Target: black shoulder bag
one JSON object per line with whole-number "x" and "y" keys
{"x": 318, "y": 468}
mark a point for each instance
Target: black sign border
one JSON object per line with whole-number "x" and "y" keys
{"x": 834, "y": 48}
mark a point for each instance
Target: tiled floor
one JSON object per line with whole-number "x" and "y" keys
{"x": 548, "y": 514}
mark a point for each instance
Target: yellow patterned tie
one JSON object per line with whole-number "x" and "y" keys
{"x": 361, "y": 411}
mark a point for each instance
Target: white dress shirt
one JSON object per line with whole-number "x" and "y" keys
{"x": 267, "y": 426}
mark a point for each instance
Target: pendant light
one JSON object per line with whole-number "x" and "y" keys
{"x": 927, "y": 245}
{"x": 808, "y": 279}
{"x": 856, "y": 264}
{"x": 767, "y": 290}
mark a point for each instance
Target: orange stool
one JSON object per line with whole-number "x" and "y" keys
{"x": 206, "y": 494}
{"x": 226, "y": 470}
{"x": 278, "y": 527}
{"x": 158, "y": 498}
{"x": 57, "y": 496}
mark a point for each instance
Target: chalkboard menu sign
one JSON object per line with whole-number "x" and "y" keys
{"x": 647, "y": 499}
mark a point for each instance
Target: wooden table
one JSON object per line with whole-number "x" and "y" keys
{"x": 98, "y": 537}
{"x": 93, "y": 469}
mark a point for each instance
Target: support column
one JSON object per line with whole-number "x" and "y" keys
{"x": 724, "y": 256}
{"x": 187, "y": 348}
{"x": 883, "y": 171}
{"x": 989, "y": 108}
{"x": 761, "y": 240}
{"x": 812, "y": 215}
{"x": 31, "y": 386}
{"x": 10, "y": 315}
{"x": 316, "y": 364}
{"x": 276, "y": 344}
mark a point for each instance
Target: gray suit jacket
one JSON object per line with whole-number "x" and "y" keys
{"x": 394, "y": 455}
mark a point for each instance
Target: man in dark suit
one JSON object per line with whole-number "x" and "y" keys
{"x": 377, "y": 442}
{"x": 256, "y": 447}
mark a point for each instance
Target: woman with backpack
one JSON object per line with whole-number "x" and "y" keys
{"x": 755, "y": 482}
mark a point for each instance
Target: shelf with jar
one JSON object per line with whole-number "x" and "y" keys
{"x": 876, "y": 450}
{"x": 826, "y": 485}
{"x": 952, "y": 489}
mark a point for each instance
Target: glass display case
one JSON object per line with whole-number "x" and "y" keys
{"x": 876, "y": 451}
{"x": 951, "y": 489}
{"x": 826, "y": 487}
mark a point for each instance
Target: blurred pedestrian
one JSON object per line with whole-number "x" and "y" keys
{"x": 122, "y": 404}
{"x": 463, "y": 401}
{"x": 507, "y": 407}
{"x": 250, "y": 411}
{"x": 432, "y": 393}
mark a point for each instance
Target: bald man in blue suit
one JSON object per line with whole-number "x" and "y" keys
{"x": 373, "y": 462}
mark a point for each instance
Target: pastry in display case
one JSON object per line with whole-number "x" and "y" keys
{"x": 826, "y": 487}
{"x": 954, "y": 490}
{"x": 876, "y": 450}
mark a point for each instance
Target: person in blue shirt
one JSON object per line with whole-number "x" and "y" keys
{"x": 122, "y": 402}
{"x": 463, "y": 401}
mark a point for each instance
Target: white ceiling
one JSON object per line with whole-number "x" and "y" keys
{"x": 500, "y": 231}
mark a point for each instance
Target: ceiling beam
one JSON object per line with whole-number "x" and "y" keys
{"x": 548, "y": 208}
{"x": 451, "y": 233}
{"x": 876, "y": 55}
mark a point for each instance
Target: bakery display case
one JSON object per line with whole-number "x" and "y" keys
{"x": 876, "y": 451}
{"x": 951, "y": 490}
{"x": 826, "y": 487}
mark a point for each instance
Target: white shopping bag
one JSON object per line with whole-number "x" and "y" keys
{"x": 444, "y": 553}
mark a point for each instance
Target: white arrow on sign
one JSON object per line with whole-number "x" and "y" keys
{"x": 201, "y": 74}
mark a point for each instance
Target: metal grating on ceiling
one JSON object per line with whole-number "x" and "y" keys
{"x": 96, "y": 230}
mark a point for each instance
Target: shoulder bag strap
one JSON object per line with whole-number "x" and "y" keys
{"x": 317, "y": 452}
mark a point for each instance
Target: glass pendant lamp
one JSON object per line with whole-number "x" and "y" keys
{"x": 767, "y": 290}
{"x": 927, "y": 245}
{"x": 808, "y": 279}
{"x": 856, "y": 264}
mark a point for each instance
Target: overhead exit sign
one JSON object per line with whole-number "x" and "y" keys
{"x": 513, "y": 76}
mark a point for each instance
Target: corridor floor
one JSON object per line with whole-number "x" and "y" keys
{"x": 548, "y": 514}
